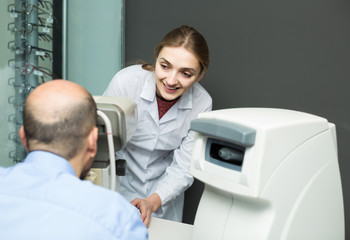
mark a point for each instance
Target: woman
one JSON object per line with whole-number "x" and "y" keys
{"x": 168, "y": 97}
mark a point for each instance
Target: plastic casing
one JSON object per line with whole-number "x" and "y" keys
{"x": 289, "y": 186}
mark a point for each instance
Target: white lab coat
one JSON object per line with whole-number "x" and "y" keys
{"x": 158, "y": 154}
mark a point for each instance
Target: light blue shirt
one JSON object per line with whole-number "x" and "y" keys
{"x": 42, "y": 198}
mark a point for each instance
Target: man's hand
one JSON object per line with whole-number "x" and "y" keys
{"x": 147, "y": 206}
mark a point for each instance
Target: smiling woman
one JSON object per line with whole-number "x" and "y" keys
{"x": 168, "y": 98}
{"x": 176, "y": 71}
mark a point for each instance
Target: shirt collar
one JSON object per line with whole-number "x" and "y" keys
{"x": 49, "y": 162}
{"x": 185, "y": 100}
{"x": 149, "y": 88}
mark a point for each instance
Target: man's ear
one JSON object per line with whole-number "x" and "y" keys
{"x": 92, "y": 142}
{"x": 23, "y": 137}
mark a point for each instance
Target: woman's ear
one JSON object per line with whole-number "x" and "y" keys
{"x": 23, "y": 137}
{"x": 200, "y": 76}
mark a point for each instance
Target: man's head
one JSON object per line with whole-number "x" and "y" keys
{"x": 60, "y": 117}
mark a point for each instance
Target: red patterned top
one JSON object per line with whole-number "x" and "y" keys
{"x": 164, "y": 106}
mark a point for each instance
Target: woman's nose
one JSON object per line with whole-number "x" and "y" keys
{"x": 172, "y": 78}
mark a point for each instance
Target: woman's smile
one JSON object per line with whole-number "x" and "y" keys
{"x": 176, "y": 70}
{"x": 169, "y": 88}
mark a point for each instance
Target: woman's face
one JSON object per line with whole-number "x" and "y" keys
{"x": 176, "y": 71}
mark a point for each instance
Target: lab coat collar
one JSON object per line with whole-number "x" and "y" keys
{"x": 185, "y": 102}
{"x": 149, "y": 88}
{"x": 149, "y": 94}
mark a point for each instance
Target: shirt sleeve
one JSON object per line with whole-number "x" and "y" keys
{"x": 134, "y": 229}
{"x": 177, "y": 177}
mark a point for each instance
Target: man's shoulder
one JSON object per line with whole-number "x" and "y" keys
{"x": 70, "y": 200}
{"x": 107, "y": 207}
{"x": 2, "y": 170}
{"x": 91, "y": 193}
{"x": 98, "y": 204}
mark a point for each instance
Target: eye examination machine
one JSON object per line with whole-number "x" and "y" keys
{"x": 269, "y": 174}
{"x": 116, "y": 122}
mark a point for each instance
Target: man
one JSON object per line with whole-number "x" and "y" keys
{"x": 43, "y": 198}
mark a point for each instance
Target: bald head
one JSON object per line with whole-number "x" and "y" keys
{"x": 52, "y": 100}
{"x": 57, "y": 116}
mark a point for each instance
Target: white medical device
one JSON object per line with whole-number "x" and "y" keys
{"x": 269, "y": 174}
{"x": 116, "y": 122}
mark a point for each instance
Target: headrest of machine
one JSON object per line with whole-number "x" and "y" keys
{"x": 122, "y": 114}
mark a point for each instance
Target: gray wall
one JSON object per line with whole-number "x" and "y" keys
{"x": 272, "y": 53}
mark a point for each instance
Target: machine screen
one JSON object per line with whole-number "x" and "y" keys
{"x": 224, "y": 154}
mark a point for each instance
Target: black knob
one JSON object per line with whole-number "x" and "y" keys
{"x": 120, "y": 166}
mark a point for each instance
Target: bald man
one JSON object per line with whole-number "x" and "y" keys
{"x": 44, "y": 197}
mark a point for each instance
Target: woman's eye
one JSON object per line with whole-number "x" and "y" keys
{"x": 164, "y": 66}
{"x": 187, "y": 75}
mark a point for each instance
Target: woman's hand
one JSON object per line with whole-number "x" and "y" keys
{"x": 147, "y": 206}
